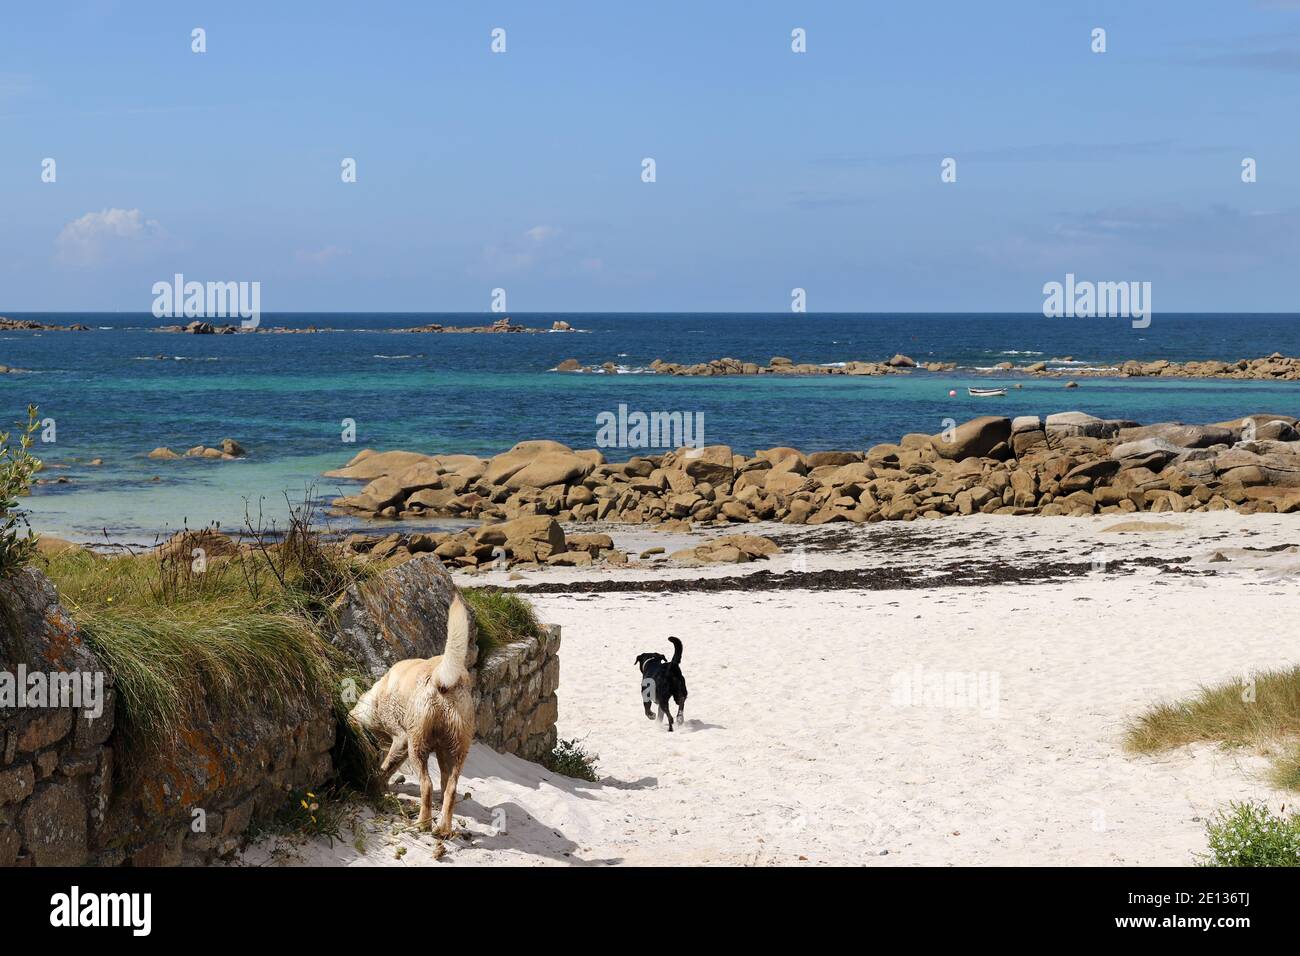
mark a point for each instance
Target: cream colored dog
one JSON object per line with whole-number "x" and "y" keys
{"x": 425, "y": 706}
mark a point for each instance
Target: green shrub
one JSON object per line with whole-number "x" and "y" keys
{"x": 1249, "y": 834}
{"x": 570, "y": 759}
{"x": 18, "y": 466}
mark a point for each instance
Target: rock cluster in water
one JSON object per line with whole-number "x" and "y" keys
{"x": 778, "y": 365}
{"x": 31, "y": 325}
{"x": 503, "y": 325}
{"x": 229, "y": 451}
{"x": 1275, "y": 367}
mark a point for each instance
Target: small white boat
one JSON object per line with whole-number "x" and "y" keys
{"x": 986, "y": 392}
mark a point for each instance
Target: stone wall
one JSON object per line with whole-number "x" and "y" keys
{"x": 234, "y": 765}
{"x": 66, "y": 801}
{"x": 515, "y": 697}
{"x": 56, "y": 766}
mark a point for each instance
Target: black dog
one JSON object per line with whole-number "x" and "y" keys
{"x": 662, "y": 681}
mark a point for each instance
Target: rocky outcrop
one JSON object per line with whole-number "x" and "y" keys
{"x": 1030, "y": 465}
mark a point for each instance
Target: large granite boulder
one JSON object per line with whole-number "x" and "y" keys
{"x": 550, "y": 468}
{"x": 1143, "y": 447}
{"x": 1079, "y": 424}
{"x": 399, "y": 614}
{"x": 1183, "y": 436}
{"x": 972, "y": 439}
{"x": 368, "y": 465}
{"x": 712, "y": 463}
{"x": 504, "y": 466}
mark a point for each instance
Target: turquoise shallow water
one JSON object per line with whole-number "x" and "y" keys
{"x": 117, "y": 393}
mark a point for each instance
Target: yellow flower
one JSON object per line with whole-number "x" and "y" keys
{"x": 304, "y": 804}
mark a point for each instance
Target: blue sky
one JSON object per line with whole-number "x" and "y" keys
{"x": 522, "y": 170}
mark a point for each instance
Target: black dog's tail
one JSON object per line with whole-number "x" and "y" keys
{"x": 677, "y": 654}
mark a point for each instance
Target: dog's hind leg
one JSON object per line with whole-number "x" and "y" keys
{"x": 420, "y": 757}
{"x": 450, "y": 780}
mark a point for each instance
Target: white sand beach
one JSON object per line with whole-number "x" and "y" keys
{"x": 798, "y": 748}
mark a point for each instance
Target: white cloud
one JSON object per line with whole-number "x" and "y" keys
{"x": 542, "y": 233}
{"x": 94, "y": 237}
{"x": 319, "y": 256}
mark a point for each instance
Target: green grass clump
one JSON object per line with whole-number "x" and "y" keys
{"x": 1249, "y": 834}
{"x": 1263, "y": 714}
{"x": 502, "y": 618}
{"x": 212, "y": 640}
{"x": 571, "y": 759}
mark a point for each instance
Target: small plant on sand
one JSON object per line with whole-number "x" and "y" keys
{"x": 1249, "y": 834}
{"x": 18, "y": 466}
{"x": 1262, "y": 712}
{"x": 311, "y": 815}
{"x": 571, "y": 759}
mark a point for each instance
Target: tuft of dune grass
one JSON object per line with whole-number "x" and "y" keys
{"x": 501, "y": 617}
{"x": 1265, "y": 717}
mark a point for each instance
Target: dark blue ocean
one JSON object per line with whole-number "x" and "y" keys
{"x": 122, "y": 389}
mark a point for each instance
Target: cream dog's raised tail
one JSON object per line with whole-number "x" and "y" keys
{"x": 451, "y": 667}
{"x": 425, "y": 706}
